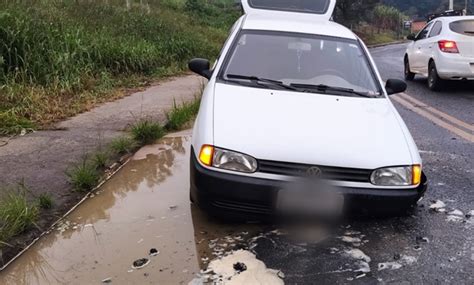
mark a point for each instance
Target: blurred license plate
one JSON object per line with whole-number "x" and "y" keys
{"x": 310, "y": 202}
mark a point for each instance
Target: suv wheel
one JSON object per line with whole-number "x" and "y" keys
{"x": 434, "y": 81}
{"x": 408, "y": 74}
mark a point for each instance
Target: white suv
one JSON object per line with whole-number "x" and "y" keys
{"x": 295, "y": 94}
{"x": 443, "y": 50}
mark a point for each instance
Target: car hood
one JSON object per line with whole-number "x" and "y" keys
{"x": 309, "y": 128}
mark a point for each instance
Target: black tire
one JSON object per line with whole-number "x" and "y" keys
{"x": 435, "y": 83}
{"x": 409, "y": 76}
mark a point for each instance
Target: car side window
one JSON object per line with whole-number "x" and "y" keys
{"x": 424, "y": 33}
{"x": 436, "y": 30}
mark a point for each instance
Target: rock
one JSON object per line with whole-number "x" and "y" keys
{"x": 240, "y": 267}
{"x": 422, "y": 239}
{"x": 107, "y": 280}
{"x": 456, "y": 213}
{"x": 140, "y": 263}
{"x": 154, "y": 252}
{"x": 437, "y": 205}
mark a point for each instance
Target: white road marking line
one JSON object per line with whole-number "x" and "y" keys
{"x": 459, "y": 132}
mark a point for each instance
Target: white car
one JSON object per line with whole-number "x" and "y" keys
{"x": 443, "y": 50}
{"x": 295, "y": 94}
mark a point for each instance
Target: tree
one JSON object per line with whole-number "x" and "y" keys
{"x": 352, "y": 12}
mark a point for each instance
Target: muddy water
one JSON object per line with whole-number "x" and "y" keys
{"x": 146, "y": 205}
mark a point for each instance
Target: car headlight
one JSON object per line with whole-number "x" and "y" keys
{"x": 397, "y": 176}
{"x": 227, "y": 159}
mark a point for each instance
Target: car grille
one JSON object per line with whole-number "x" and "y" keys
{"x": 327, "y": 172}
{"x": 243, "y": 207}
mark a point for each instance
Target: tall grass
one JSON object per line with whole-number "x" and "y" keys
{"x": 59, "y": 57}
{"x": 17, "y": 214}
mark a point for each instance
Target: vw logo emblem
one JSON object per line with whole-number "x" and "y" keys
{"x": 314, "y": 172}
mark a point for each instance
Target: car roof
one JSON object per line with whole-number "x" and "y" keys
{"x": 453, "y": 18}
{"x": 288, "y": 23}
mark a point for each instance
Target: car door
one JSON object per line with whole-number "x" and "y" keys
{"x": 428, "y": 46}
{"x": 418, "y": 56}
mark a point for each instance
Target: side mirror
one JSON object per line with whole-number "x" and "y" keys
{"x": 411, "y": 37}
{"x": 394, "y": 86}
{"x": 201, "y": 66}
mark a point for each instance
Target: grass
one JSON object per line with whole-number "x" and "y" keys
{"x": 84, "y": 176}
{"x": 371, "y": 35}
{"x": 45, "y": 201}
{"x": 145, "y": 131}
{"x": 62, "y": 57}
{"x": 180, "y": 115}
{"x": 100, "y": 159}
{"x": 17, "y": 214}
{"x": 122, "y": 145}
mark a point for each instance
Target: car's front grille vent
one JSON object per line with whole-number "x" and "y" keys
{"x": 327, "y": 172}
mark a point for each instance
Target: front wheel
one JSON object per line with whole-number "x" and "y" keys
{"x": 409, "y": 76}
{"x": 435, "y": 83}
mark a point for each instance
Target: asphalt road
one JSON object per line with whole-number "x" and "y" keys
{"x": 146, "y": 206}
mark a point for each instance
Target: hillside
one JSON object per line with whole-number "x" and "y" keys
{"x": 422, "y": 8}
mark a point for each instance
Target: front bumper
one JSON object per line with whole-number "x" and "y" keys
{"x": 230, "y": 195}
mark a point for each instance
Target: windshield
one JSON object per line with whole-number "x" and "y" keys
{"x": 296, "y": 59}
{"x": 309, "y": 6}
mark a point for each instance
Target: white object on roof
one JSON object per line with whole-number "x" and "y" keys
{"x": 322, "y": 9}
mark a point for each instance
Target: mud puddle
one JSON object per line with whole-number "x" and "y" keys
{"x": 143, "y": 209}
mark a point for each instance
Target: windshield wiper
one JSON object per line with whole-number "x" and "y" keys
{"x": 264, "y": 80}
{"x": 326, "y": 88}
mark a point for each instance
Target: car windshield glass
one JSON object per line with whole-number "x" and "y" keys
{"x": 304, "y": 60}
{"x": 309, "y": 6}
{"x": 463, "y": 27}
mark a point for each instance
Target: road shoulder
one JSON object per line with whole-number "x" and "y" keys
{"x": 41, "y": 159}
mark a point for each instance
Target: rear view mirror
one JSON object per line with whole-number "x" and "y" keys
{"x": 299, "y": 46}
{"x": 411, "y": 37}
{"x": 201, "y": 66}
{"x": 395, "y": 86}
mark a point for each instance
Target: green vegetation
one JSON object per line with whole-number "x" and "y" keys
{"x": 84, "y": 176}
{"x": 61, "y": 57}
{"x": 101, "y": 158}
{"x": 122, "y": 145}
{"x": 45, "y": 201}
{"x": 373, "y": 21}
{"x": 180, "y": 115}
{"x": 146, "y": 131}
{"x": 17, "y": 214}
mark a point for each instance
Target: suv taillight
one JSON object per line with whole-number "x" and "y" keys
{"x": 448, "y": 46}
